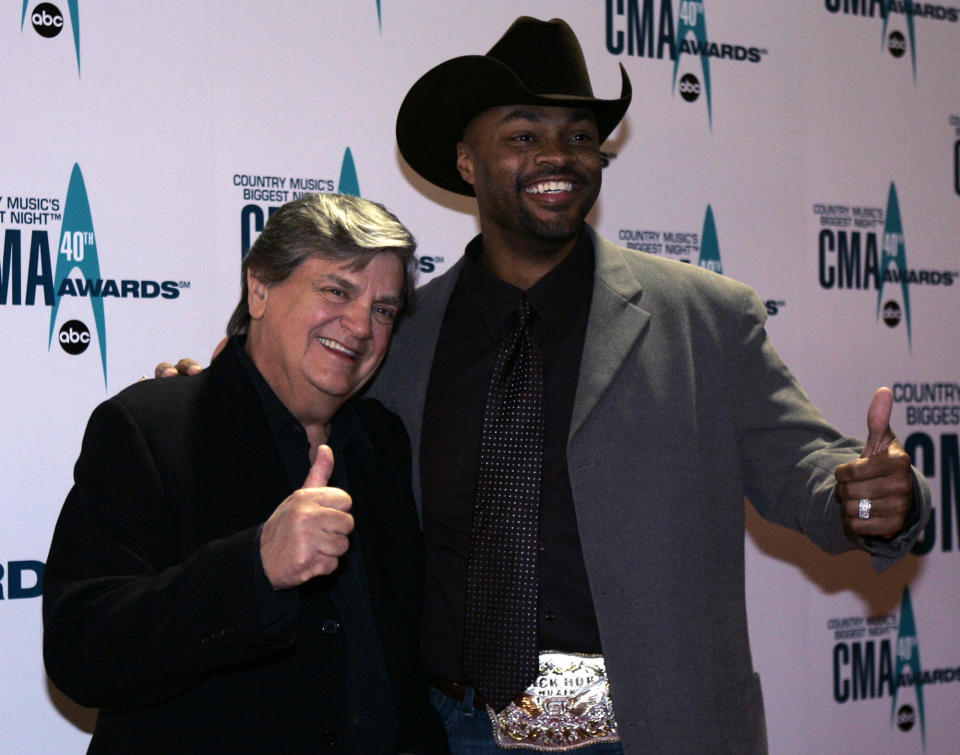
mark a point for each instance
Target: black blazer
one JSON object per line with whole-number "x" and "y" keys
{"x": 151, "y": 604}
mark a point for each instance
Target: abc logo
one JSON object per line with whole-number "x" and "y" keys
{"x": 689, "y": 87}
{"x": 906, "y": 718}
{"x": 892, "y": 314}
{"x": 74, "y": 337}
{"x": 47, "y": 20}
{"x": 896, "y": 44}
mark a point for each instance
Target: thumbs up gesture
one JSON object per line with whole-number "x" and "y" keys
{"x": 876, "y": 490}
{"x": 307, "y": 534}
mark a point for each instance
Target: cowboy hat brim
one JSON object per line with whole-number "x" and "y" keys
{"x": 444, "y": 100}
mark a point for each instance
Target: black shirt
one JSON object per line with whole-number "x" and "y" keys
{"x": 371, "y": 722}
{"x": 476, "y": 321}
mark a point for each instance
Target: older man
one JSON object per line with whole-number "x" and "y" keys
{"x": 238, "y": 565}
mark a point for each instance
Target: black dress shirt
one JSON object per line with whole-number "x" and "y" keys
{"x": 476, "y": 321}
{"x": 370, "y": 722}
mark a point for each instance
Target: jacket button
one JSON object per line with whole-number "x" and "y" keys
{"x": 330, "y": 626}
{"x": 330, "y": 738}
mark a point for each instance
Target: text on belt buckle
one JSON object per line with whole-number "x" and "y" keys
{"x": 566, "y": 707}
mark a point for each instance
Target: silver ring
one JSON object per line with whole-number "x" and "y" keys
{"x": 864, "y": 508}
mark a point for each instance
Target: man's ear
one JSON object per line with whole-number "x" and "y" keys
{"x": 257, "y": 292}
{"x": 465, "y": 162}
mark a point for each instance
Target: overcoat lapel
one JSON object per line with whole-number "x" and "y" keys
{"x": 615, "y": 325}
{"x": 402, "y": 383}
{"x": 238, "y": 410}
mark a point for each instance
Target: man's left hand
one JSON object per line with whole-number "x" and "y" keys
{"x": 881, "y": 477}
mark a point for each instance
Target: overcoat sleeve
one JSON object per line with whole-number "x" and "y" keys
{"x": 130, "y": 617}
{"x": 790, "y": 453}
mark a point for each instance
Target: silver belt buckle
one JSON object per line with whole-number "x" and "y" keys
{"x": 567, "y": 707}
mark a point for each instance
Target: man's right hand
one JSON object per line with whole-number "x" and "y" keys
{"x": 185, "y": 366}
{"x": 307, "y": 534}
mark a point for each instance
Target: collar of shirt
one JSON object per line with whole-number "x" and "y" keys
{"x": 346, "y": 428}
{"x": 551, "y": 297}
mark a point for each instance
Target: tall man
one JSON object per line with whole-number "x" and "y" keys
{"x": 646, "y": 403}
{"x": 664, "y": 404}
{"x": 238, "y": 566}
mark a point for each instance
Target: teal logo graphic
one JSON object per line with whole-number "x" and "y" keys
{"x": 348, "y": 183}
{"x": 895, "y": 42}
{"x": 379, "y": 18}
{"x": 43, "y": 19}
{"x": 894, "y": 255}
{"x": 709, "y": 245}
{"x": 78, "y": 251}
{"x": 709, "y": 258}
{"x": 908, "y": 659}
{"x": 692, "y": 20}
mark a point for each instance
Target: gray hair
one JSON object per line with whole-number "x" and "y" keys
{"x": 331, "y": 226}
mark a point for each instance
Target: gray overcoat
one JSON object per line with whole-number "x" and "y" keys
{"x": 683, "y": 408}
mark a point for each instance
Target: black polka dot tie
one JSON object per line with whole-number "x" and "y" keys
{"x": 500, "y": 631}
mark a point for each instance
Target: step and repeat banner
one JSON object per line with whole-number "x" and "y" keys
{"x": 810, "y": 148}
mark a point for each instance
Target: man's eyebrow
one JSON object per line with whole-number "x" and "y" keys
{"x": 336, "y": 280}
{"x": 350, "y": 287}
{"x": 532, "y": 115}
{"x": 393, "y": 301}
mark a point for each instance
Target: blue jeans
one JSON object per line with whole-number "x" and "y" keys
{"x": 470, "y": 731}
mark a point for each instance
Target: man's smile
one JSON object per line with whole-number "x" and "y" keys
{"x": 339, "y": 347}
{"x": 549, "y": 187}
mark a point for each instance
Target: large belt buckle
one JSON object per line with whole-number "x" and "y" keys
{"x": 567, "y": 707}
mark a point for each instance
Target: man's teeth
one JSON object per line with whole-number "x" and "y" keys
{"x": 550, "y": 187}
{"x": 336, "y": 346}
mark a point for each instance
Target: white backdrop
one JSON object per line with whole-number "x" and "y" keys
{"x": 828, "y": 122}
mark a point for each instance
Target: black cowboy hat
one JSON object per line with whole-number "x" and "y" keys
{"x": 534, "y": 63}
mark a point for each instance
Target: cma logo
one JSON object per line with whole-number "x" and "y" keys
{"x": 252, "y": 218}
{"x": 24, "y": 579}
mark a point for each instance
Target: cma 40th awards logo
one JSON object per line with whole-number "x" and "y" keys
{"x": 898, "y": 20}
{"x": 646, "y": 29}
{"x": 862, "y": 247}
{"x": 276, "y": 190}
{"x": 28, "y": 277}
{"x": 879, "y": 656}
{"x": 48, "y": 21}
{"x": 701, "y": 249}
{"x": 78, "y": 251}
{"x": 908, "y": 673}
{"x": 709, "y": 258}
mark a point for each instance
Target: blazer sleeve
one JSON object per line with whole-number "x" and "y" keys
{"x": 129, "y": 617}
{"x": 789, "y": 452}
